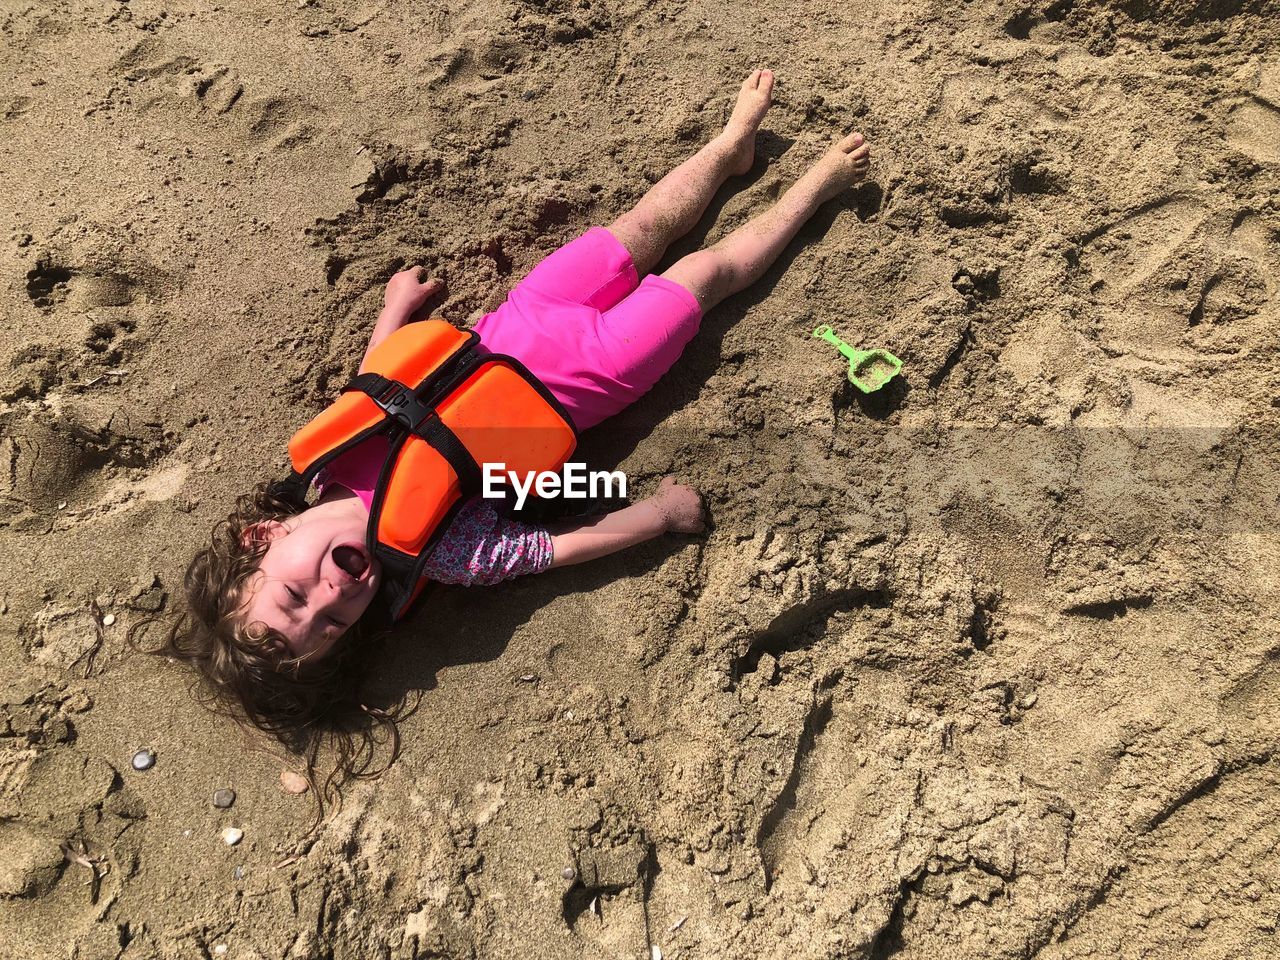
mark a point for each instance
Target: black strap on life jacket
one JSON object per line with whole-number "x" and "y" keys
{"x": 392, "y": 397}
{"x": 400, "y": 403}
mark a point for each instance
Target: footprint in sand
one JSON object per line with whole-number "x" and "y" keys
{"x": 1236, "y": 291}
{"x": 1235, "y": 302}
{"x": 215, "y": 88}
{"x": 67, "y": 462}
{"x": 95, "y": 280}
{"x": 280, "y": 122}
{"x": 1124, "y": 254}
{"x": 50, "y": 285}
{"x": 161, "y": 79}
{"x": 1253, "y": 126}
{"x": 974, "y": 97}
{"x": 1172, "y": 276}
{"x": 55, "y": 873}
{"x": 46, "y": 458}
{"x": 61, "y": 637}
{"x": 474, "y": 63}
{"x": 1143, "y": 269}
{"x": 105, "y": 299}
{"x": 157, "y": 77}
{"x": 839, "y": 790}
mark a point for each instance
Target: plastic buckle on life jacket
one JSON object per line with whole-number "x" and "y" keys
{"x": 399, "y": 402}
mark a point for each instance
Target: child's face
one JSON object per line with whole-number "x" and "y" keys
{"x": 315, "y": 580}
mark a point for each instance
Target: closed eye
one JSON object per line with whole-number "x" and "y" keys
{"x": 297, "y": 597}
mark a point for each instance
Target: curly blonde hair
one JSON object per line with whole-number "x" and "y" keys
{"x": 306, "y": 706}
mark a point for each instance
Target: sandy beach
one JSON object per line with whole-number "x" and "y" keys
{"x": 985, "y": 664}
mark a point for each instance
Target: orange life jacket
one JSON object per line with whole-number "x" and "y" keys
{"x": 446, "y": 410}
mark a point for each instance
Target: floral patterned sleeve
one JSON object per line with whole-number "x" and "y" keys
{"x": 481, "y": 548}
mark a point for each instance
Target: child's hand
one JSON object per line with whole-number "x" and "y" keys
{"x": 681, "y": 507}
{"x": 675, "y": 508}
{"x": 409, "y": 290}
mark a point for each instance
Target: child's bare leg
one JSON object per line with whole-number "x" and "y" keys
{"x": 677, "y": 201}
{"x": 743, "y": 256}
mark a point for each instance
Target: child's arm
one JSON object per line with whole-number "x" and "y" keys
{"x": 407, "y": 292}
{"x": 674, "y": 508}
{"x": 480, "y": 548}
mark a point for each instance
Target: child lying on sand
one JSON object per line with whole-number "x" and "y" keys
{"x": 272, "y": 602}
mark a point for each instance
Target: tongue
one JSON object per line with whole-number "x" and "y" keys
{"x": 350, "y": 560}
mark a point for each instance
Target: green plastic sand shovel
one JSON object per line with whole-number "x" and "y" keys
{"x": 869, "y": 370}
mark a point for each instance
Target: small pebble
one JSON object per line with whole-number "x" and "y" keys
{"x": 291, "y": 782}
{"x": 232, "y": 835}
{"x": 224, "y": 797}
{"x": 569, "y": 873}
{"x": 219, "y": 949}
{"x": 238, "y": 873}
{"x": 1029, "y": 701}
{"x": 528, "y": 677}
{"x": 109, "y": 620}
{"x": 144, "y": 760}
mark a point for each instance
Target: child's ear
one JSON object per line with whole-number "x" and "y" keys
{"x": 263, "y": 532}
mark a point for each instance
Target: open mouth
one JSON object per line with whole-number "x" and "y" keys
{"x": 351, "y": 560}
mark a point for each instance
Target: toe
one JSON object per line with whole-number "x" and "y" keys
{"x": 752, "y": 81}
{"x": 862, "y": 153}
{"x": 850, "y": 143}
{"x": 766, "y": 82}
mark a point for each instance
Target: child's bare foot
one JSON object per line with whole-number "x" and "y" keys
{"x": 739, "y": 136}
{"x": 840, "y": 168}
